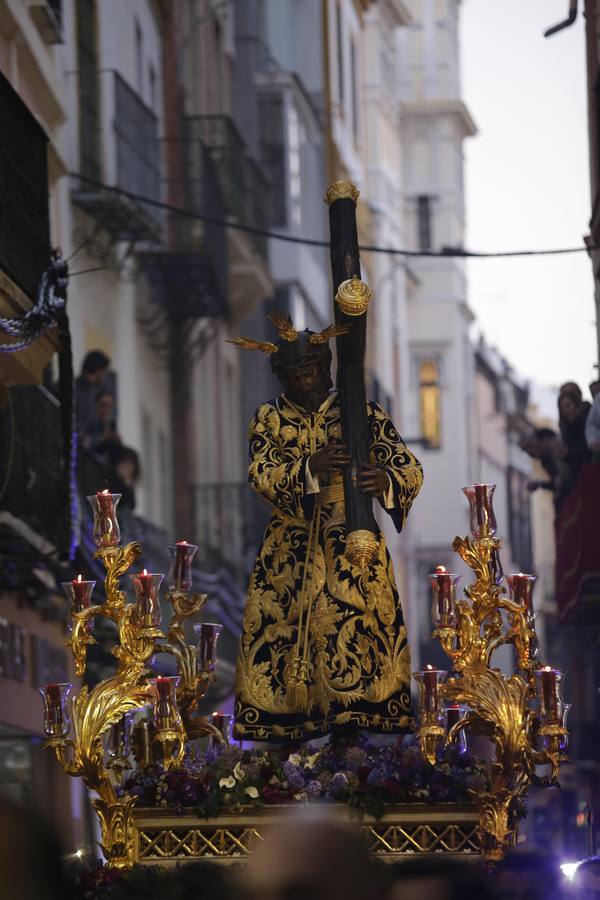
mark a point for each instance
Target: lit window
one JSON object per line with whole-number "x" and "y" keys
{"x": 429, "y": 402}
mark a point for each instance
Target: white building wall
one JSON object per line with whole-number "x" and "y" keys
{"x": 103, "y": 306}
{"x": 433, "y": 125}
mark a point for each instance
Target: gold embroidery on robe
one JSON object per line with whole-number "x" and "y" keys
{"x": 357, "y": 654}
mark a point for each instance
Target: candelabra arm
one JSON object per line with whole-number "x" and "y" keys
{"x": 117, "y": 561}
{"x": 468, "y": 719}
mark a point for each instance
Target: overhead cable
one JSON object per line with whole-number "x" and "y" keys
{"x": 445, "y": 252}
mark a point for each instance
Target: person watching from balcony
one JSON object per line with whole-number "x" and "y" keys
{"x": 124, "y": 474}
{"x": 592, "y": 424}
{"x": 101, "y": 434}
{"x": 543, "y": 444}
{"x": 93, "y": 372}
{"x": 573, "y": 412}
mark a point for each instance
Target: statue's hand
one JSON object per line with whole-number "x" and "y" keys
{"x": 328, "y": 458}
{"x": 373, "y": 480}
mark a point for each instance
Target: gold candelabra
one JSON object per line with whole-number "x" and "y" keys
{"x": 522, "y": 714}
{"x": 101, "y": 717}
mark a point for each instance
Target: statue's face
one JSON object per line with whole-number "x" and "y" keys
{"x": 306, "y": 386}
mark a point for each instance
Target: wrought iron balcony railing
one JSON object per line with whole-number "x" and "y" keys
{"x": 245, "y": 187}
{"x": 189, "y": 270}
{"x": 119, "y": 146}
{"x": 229, "y": 521}
{"x": 31, "y": 449}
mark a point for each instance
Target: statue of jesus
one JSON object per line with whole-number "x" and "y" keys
{"x": 324, "y": 643}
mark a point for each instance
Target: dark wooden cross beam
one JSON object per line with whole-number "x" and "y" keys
{"x": 361, "y": 527}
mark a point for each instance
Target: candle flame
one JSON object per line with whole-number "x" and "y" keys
{"x": 440, "y": 569}
{"x": 145, "y": 572}
{"x": 429, "y": 667}
{"x": 105, "y": 491}
{"x": 79, "y": 578}
{"x": 184, "y": 543}
{"x": 547, "y": 668}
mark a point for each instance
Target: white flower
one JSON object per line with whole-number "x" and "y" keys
{"x": 228, "y": 782}
{"x": 300, "y": 796}
{"x": 252, "y": 792}
{"x": 310, "y": 761}
{"x": 295, "y": 759}
{"x": 238, "y": 772}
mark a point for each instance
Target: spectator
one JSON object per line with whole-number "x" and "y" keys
{"x": 438, "y": 879}
{"x": 586, "y": 881}
{"x": 573, "y": 412}
{"x": 124, "y": 474}
{"x": 526, "y": 874}
{"x": 101, "y": 435}
{"x": 592, "y": 425}
{"x": 311, "y": 858}
{"x": 93, "y": 372}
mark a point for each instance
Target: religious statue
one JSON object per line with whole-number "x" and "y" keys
{"x": 324, "y": 643}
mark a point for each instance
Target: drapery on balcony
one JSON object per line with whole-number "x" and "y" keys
{"x": 578, "y": 551}
{"x": 246, "y": 189}
{"x": 119, "y": 146}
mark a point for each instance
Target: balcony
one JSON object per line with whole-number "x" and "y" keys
{"x": 48, "y": 16}
{"x": 247, "y": 197}
{"x": 120, "y": 148}
{"x": 229, "y": 520}
{"x": 189, "y": 272}
{"x": 34, "y": 500}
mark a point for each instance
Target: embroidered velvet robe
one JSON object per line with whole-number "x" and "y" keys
{"x": 351, "y": 642}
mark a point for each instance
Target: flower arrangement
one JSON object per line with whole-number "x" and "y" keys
{"x": 364, "y": 773}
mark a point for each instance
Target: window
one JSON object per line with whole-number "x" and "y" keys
{"x": 354, "y": 87}
{"x": 272, "y": 153}
{"x": 152, "y": 87}
{"x": 429, "y": 403}
{"x": 424, "y": 222}
{"x": 139, "y": 58}
{"x": 340, "y": 54}
{"x": 89, "y": 90}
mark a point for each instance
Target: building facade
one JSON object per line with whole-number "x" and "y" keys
{"x": 434, "y": 123}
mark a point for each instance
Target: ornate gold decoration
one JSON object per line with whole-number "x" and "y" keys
{"x": 322, "y": 337}
{"x": 193, "y": 684}
{"x": 361, "y": 548}
{"x": 341, "y": 190}
{"x": 500, "y": 706}
{"x": 288, "y": 333}
{"x": 353, "y": 296}
{"x": 323, "y": 641}
{"x": 248, "y": 344}
{"x": 95, "y": 711}
{"x": 165, "y": 838}
{"x": 284, "y": 326}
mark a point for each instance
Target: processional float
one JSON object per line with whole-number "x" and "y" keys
{"x": 522, "y": 714}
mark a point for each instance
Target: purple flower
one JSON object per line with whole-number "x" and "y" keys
{"x": 339, "y": 784}
{"x": 313, "y": 788}
{"x": 355, "y": 757}
{"x": 293, "y": 776}
{"x": 377, "y": 775}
